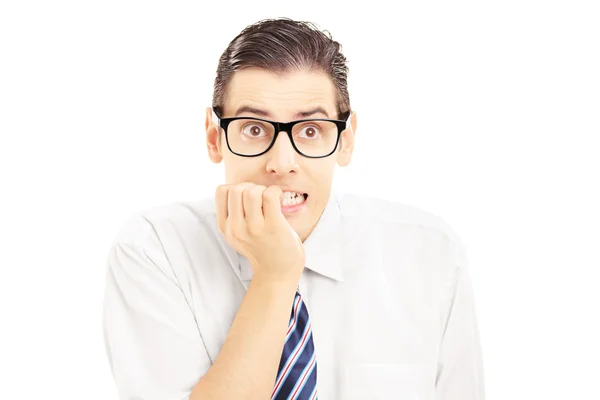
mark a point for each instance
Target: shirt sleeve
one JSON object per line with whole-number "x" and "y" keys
{"x": 460, "y": 366}
{"x": 151, "y": 336}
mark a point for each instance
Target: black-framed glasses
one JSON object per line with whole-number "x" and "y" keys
{"x": 252, "y": 137}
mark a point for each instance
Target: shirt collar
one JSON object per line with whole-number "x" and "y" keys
{"x": 322, "y": 247}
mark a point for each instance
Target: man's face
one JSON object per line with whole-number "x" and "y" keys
{"x": 282, "y": 98}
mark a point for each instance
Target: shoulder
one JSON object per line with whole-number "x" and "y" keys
{"x": 166, "y": 237}
{"x": 394, "y": 217}
{"x": 150, "y": 225}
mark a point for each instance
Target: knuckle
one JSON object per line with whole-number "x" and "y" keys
{"x": 273, "y": 191}
{"x": 267, "y": 194}
{"x": 222, "y": 189}
{"x": 248, "y": 194}
{"x": 237, "y": 231}
{"x": 253, "y": 231}
{"x": 238, "y": 190}
{"x": 230, "y": 230}
{"x": 256, "y": 192}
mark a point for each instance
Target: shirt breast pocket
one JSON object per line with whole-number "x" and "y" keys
{"x": 383, "y": 381}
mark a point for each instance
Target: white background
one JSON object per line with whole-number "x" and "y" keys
{"x": 487, "y": 115}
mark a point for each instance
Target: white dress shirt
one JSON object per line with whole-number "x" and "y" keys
{"x": 385, "y": 284}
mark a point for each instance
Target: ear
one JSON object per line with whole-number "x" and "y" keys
{"x": 213, "y": 139}
{"x": 344, "y": 155}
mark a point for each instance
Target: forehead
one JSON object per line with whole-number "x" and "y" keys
{"x": 280, "y": 93}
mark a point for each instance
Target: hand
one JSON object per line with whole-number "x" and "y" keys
{"x": 250, "y": 218}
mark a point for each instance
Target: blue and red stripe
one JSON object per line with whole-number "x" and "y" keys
{"x": 297, "y": 374}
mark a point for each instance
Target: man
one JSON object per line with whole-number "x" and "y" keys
{"x": 277, "y": 288}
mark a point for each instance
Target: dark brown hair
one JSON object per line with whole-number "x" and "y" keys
{"x": 283, "y": 45}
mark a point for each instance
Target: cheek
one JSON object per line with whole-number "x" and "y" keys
{"x": 239, "y": 169}
{"x": 322, "y": 170}
{"x": 321, "y": 176}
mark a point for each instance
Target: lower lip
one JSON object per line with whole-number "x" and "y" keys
{"x": 293, "y": 209}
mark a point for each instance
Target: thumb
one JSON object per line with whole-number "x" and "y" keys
{"x": 272, "y": 202}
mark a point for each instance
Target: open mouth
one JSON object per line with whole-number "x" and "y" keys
{"x": 293, "y": 199}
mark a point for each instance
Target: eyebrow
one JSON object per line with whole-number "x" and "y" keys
{"x": 266, "y": 114}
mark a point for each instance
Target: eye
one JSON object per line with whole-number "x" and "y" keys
{"x": 253, "y": 130}
{"x": 310, "y": 131}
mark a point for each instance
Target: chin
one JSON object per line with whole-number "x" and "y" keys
{"x": 297, "y": 224}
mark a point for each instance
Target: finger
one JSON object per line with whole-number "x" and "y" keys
{"x": 253, "y": 202}
{"x": 221, "y": 195}
{"x": 235, "y": 201}
{"x": 272, "y": 203}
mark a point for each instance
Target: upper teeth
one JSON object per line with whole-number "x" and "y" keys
{"x": 292, "y": 198}
{"x": 291, "y": 195}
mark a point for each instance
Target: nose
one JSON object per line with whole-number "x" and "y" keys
{"x": 282, "y": 156}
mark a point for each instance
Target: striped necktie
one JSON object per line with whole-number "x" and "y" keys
{"x": 297, "y": 376}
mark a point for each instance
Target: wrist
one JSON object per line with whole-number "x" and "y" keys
{"x": 277, "y": 283}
